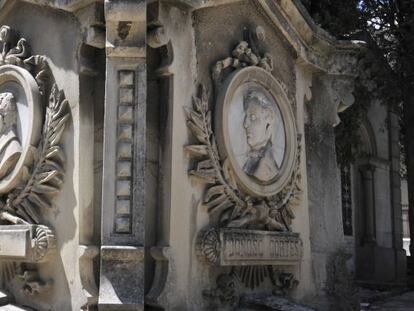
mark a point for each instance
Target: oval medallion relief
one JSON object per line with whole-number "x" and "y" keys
{"x": 256, "y": 131}
{"x": 20, "y": 123}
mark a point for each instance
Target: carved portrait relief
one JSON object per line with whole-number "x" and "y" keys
{"x": 20, "y": 123}
{"x": 256, "y": 131}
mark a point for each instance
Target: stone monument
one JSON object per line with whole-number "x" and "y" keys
{"x": 171, "y": 155}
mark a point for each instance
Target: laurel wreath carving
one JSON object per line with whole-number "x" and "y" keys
{"x": 46, "y": 175}
{"x": 226, "y": 203}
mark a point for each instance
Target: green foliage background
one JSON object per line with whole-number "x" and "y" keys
{"x": 388, "y": 28}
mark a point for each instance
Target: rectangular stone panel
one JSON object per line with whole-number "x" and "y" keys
{"x": 123, "y": 188}
{"x": 123, "y": 169}
{"x": 123, "y": 225}
{"x": 21, "y": 243}
{"x": 251, "y": 247}
{"x": 14, "y": 242}
{"x": 126, "y": 78}
{"x": 123, "y": 207}
{"x": 125, "y": 114}
{"x": 243, "y": 247}
{"x": 126, "y": 95}
{"x": 125, "y": 132}
{"x": 124, "y": 150}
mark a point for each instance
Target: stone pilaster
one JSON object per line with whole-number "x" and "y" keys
{"x": 122, "y": 250}
{"x": 331, "y": 94}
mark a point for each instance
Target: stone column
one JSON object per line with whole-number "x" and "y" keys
{"x": 367, "y": 172}
{"x": 122, "y": 250}
{"x": 330, "y": 94}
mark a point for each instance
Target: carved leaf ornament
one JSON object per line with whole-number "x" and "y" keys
{"x": 45, "y": 177}
{"x": 227, "y": 203}
{"x": 41, "y": 175}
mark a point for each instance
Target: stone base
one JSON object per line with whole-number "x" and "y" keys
{"x": 380, "y": 265}
{"x": 121, "y": 278}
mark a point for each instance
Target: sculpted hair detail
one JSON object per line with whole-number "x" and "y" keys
{"x": 260, "y": 99}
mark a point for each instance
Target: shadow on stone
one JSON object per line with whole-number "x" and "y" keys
{"x": 269, "y": 302}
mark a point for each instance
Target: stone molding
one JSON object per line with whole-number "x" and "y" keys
{"x": 314, "y": 46}
{"x": 122, "y": 253}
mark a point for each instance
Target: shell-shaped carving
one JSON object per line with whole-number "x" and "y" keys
{"x": 43, "y": 242}
{"x": 252, "y": 276}
{"x": 208, "y": 246}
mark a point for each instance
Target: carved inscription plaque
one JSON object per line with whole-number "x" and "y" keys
{"x": 26, "y": 243}
{"x": 14, "y": 242}
{"x": 239, "y": 247}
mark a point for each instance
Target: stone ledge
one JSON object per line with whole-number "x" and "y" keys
{"x": 122, "y": 253}
{"x": 126, "y": 51}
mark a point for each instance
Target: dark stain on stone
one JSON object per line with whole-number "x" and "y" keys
{"x": 123, "y": 29}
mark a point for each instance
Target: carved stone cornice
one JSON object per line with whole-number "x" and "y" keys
{"x": 314, "y": 47}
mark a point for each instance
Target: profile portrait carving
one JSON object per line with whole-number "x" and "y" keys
{"x": 258, "y": 124}
{"x": 10, "y": 146}
{"x": 256, "y": 131}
